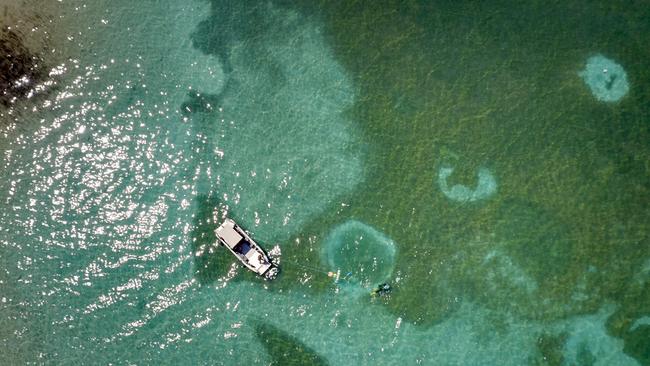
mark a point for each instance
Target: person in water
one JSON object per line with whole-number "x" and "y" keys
{"x": 381, "y": 290}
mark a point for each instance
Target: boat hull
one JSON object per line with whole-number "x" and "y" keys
{"x": 245, "y": 249}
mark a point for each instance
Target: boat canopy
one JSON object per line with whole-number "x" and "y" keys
{"x": 229, "y": 235}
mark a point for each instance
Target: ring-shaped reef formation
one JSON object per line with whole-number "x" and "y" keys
{"x": 363, "y": 255}
{"x": 606, "y": 78}
{"x": 486, "y": 186}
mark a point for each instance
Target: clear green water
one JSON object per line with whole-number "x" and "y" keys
{"x": 296, "y": 118}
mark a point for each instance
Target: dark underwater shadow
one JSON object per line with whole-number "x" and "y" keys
{"x": 25, "y": 79}
{"x": 230, "y": 22}
{"x": 199, "y": 103}
{"x": 285, "y": 349}
{"x": 20, "y": 68}
{"x": 211, "y": 261}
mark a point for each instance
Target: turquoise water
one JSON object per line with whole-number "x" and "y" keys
{"x": 464, "y": 164}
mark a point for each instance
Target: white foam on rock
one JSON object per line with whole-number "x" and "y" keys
{"x": 606, "y": 79}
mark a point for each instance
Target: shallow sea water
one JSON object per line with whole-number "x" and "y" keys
{"x": 312, "y": 123}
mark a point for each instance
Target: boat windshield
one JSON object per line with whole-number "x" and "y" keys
{"x": 242, "y": 247}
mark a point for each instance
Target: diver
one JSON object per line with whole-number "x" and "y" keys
{"x": 381, "y": 290}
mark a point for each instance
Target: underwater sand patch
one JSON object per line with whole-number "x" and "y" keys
{"x": 33, "y": 45}
{"x": 606, "y": 79}
{"x": 286, "y": 157}
{"x": 207, "y": 74}
{"x": 588, "y": 342}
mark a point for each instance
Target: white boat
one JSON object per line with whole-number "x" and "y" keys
{"x": 246, "y": 249}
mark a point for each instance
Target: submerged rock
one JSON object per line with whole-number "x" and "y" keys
{"x": 211, "y": 260}
{"x": 362, "y": 254}
{"x": 631, "y": 321}
{"x": 284, "y": 349}
{"x": 606, "y": 79}
{"x": 550, "y": 348}
{"x": 637, "y": 344}
{"x": 20, "y": 69}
